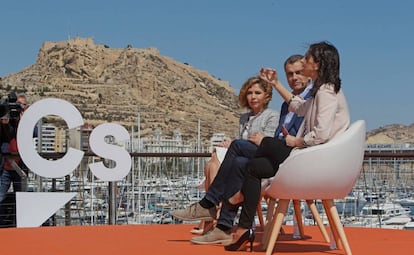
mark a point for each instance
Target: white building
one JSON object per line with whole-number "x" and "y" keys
{"x": 52, "y": 139}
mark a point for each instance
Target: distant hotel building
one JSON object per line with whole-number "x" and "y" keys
{"x": 51, "y": 138}
{"x": 161, "y": 144}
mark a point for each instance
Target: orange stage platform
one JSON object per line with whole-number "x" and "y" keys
{"x": 174, "y": 239}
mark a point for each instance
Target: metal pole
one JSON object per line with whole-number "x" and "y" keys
{"x": 112, "y": 193}
{"x": 132, "y": 173}
{"x": 39, "y": 149}
{"x": 198, "y": 150}
{"x": 112, "y": 203}
{"x": 67, "y": 206}
{"x": 139, "y": 169}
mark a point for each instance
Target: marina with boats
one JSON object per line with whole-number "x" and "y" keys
{"x": 167, "y": 174}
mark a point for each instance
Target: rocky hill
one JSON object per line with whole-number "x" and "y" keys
{"x": 113, "y": 85}
{"x": 395, "y": 133}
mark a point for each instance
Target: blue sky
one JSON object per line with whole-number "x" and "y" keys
{"x": 233, "y": 39}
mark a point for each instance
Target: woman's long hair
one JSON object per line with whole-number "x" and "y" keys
{"x": 327, "y": 56}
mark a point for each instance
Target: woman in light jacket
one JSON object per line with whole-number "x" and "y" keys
{"x": 255, "y": 95}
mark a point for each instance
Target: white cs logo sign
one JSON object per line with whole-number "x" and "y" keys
{"x": 64, "y": 166}
{"x": 73, "y": 157}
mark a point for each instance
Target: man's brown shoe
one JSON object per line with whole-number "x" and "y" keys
{"x": 195, "y": 212}
{"x": 215, "y": 236}
{"x": 203, "y": 227}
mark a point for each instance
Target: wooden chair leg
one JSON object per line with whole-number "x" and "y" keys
{"x": 318, "y": 219}
{"x": 298, "y": 215}
{"x": 270, "y": 209}
{"x": 338, "y": 225}
{"x": 332, "y": 225}
{"x": 260, "y": 213}
{"x": 269, "y": 218}
{"x": 277, "y": 222}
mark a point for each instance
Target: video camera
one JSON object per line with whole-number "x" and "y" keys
{"x": 11, "y": 106}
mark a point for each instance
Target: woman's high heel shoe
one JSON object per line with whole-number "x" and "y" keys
{"x": 240, "y": 244}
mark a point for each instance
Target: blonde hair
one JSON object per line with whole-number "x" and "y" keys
{"x": 248, "y": 84}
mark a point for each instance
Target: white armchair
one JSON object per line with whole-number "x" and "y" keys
{"x": 323, "y": 172}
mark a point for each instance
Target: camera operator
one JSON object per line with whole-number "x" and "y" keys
{"x": 10, "y": 112}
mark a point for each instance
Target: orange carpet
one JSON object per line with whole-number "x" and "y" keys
{"x": 174, "y": 239}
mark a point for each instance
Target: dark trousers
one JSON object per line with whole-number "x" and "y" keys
{"x": 7, "y": 203}
{"x": 270, "y": 154}
{"x": 230, "y": 178}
